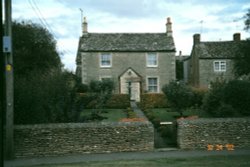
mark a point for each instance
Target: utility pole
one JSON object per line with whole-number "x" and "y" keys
{"x": 2, "y": 89}
{"x": 9, "y": 145}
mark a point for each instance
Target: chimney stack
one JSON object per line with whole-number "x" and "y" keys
{"x": 169, "y": 27}
{"x": 84, "y": 26}
{"x": 197, "y": 38}
{"x": 236, "y": 37}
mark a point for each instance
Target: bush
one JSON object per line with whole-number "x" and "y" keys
{"x": 198, "y": 96}
{"x": 237, "y": 94}
{"x": 153, "y": 100}
{"x": 120, "y": 101}
{"x": 228, "y": 99}
{"x": 179, "y": 95}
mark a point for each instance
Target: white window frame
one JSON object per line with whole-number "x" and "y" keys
{"x": 220, "y": 66}
{"x": 101, "y": 60}
{"x": 149, "y": 62}
{"x": 157, "y": 84}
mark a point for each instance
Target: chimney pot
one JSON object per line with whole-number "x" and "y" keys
{"x": 197, "y": 38}
{"x": 236, "y": 37}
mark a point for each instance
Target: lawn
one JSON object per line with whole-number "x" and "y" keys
{"x": 166, "y": 114}
{"x": 113, "y": 115}
{"x": 209, "y": 161}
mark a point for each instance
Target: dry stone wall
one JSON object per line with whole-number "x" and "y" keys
{"x": 78, "y": 138}
{"x": 199, "y": 133}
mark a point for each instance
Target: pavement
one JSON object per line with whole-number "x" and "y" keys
{"x": 158, "y": 153}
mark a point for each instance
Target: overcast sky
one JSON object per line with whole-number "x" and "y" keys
{"x": 214, "y": 19}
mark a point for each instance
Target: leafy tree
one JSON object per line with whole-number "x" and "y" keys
{"x": 242, "y": 60}
{"x": 34, "y": 49}
{"x": 43, "y": 92}
{"x": 247, "y": 20}
{"x": 179, "y": 95}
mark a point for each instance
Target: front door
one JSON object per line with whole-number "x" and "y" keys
{"x": 130, "y": 83}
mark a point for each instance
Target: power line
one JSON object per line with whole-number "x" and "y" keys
{"x": 44, "y": 22}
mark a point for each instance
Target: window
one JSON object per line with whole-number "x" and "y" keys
{"x": 105, "y": 60}
{"x": 152, "y": 60}
{"x": 220, "y": 66}
{"x": 105, "y": 78}
{"x": 152, "y": 85}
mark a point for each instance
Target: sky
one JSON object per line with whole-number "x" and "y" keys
{"x": 215, "y": 20}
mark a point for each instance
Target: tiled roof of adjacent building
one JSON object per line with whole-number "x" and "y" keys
{"x": 222, "y": 49}
{"x": 126, "y": 42}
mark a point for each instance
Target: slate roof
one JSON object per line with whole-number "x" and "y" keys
{"x": 222, "y": 49}
{"x": 126, "y": 42}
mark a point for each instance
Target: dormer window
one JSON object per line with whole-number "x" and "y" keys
{"x": 105, "y": 60}
{"x": 152, "y": 60}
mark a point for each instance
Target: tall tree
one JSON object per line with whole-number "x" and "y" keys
{"x": 242, "y": 61}
{"x": 34, "y": 49}
{"x": 43, "y": 91}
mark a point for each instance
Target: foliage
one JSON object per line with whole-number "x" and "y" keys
{"x": 228, "y": 99}
{"x": 179, "y": 95}
{"x": 121, "y": 101}
{"x": 247, "y": 20}
{"x": 34, "y": 49}
{"x": 242, "y": 60}
{"x": 198, "y": 95}
{"x": 153, "y": 100}
{"x": 101, "y": 91}
{"x": 43, "y": 92}
{"x": 237, "y": 94}
{"x": 44, "y": 99}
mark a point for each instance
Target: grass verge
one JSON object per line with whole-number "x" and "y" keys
{"x": 210, "y": 161}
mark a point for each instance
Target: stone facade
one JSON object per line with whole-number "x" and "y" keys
{"x": 79, "y": 138}
{"x": 212, "y": 60}
{"x": 122, "y": 61}
{"x": 127, "y": 51}
{"x": 198, "y": 133}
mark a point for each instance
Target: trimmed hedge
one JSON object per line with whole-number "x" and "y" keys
{"x": 121, "y": 101}
{"x": 153, "y": 100}
{"x": 116, "y": 101}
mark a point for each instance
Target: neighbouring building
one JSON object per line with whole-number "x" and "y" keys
{"x": 136, "y": 62}
{"x": 213, "y": 60}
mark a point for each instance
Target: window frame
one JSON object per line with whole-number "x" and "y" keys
{"x": 148, "y": 61}
{"x": 155, "y": 85}
{"x": 102, "y": 65}
{"x": 220, "y": 66}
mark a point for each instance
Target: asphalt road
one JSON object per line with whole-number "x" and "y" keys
{"x": 169, "y": 153}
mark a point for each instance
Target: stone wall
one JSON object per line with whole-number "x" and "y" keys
{"x": 78, "y": 138}
{"x": 198, "y": 133}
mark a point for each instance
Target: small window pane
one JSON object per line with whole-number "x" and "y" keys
{"x": 151, "y": 60}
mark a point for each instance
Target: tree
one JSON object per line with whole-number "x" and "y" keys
{"x": 179, "y": 95}
{"x": 34, "y": 49}
{"x": 44, "y": 93}
{"x": 247, "y": 20}
{"x": 242, "y": 59}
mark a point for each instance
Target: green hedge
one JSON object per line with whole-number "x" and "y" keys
{"x": 120, "y": 101}
{"x": 116, "y": 101}
{"x": 153, "y": 100}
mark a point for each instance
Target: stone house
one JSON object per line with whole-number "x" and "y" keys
{"x": 213, "y": 60}
{"x": 136, "y": 62}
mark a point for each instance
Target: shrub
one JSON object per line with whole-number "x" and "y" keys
{"x": 237, "y": 94}
{"x": 120, "y": 101}
{"x": 198, "y": 96}
{"x": 228, "y": 99}
{"x": 213, "y": 99}
{"x": 179, "y": 95}
{"x": 153, "y": 100}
